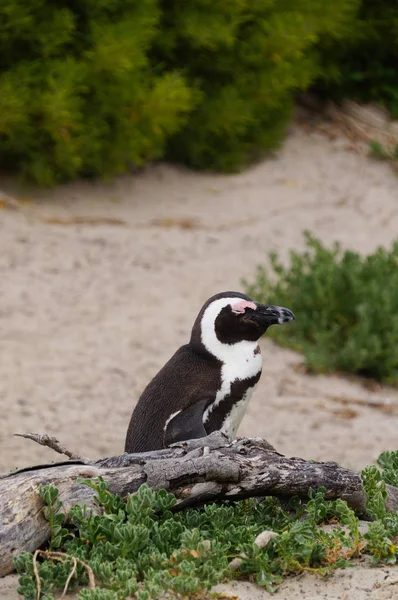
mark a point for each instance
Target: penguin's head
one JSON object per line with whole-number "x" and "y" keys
{"x": 231, "y": 317}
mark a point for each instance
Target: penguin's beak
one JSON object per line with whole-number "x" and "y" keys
{"x": 272, "y": 315}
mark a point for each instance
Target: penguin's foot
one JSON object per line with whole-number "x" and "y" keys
{"x": 213, "y": 440}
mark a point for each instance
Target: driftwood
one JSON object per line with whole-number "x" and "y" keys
{"x": 198, "y": 471}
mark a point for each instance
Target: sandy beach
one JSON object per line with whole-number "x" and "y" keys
{"x": 101, "y": 284}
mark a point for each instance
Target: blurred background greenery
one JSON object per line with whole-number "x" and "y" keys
{"x": 345, "y": 307}
{"x": 92, "y": 88}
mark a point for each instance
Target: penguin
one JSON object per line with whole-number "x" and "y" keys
{"x": 207, "y": 384}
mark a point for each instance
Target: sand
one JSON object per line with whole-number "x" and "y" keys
{"x": 101, "y": 284}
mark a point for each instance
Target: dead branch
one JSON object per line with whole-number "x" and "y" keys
{"x": 51, "y": 442}
{"x": 61, "y": 557}
{"x": 197, "y": 472}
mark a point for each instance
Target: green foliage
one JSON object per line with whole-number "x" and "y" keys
{"x": 364, "y": 64}
{"x": 384, "y": 529}
{"x": 78, "y": 93}
{"x": 388, "y": 461}
{"x": 140, "y": 549}
{"x": 90, "y": 88}
{"x": 378, "y": 151}
{"x": 345, "y": 308}
{"x": 375, "y": 488}
{"x": 248, "y": 59}
{"x": 53, "y": 515}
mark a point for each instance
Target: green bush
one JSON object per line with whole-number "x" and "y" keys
{"x": 346, "y": 308}
{"x": 248, "y": 59}
{"x": 365, "y": 64}
{"x": 89, "y": 88}
{"x": 141, "y": 549}
{"x": 78, "y": 93}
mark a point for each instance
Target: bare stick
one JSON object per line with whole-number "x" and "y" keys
{"x": 73, "y": 571}
{"x": 37, "y": 576}
{"x": 291, "y": 386}
{"x": 61, "y": 557}
{"x": 51, "y": 442}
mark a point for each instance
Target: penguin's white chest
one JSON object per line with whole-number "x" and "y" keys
{"x": 241, "y": 362}
{"x": 234, "y": 418}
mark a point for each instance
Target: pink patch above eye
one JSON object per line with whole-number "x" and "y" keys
{"x": 241, "y": 306}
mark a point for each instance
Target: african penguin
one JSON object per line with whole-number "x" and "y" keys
{"x": 207, "y": 384}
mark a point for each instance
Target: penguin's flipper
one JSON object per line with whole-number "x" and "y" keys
{"x": 186, "y": 425}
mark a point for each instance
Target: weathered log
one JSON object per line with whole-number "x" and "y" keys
{"x": 199, "y": 471}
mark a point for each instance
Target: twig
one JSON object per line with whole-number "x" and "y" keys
{"x": 73, "y": 571}
{"x": 385, "y": 405}
{"x": 51, "y": 442}
{"x": 61, "y": 557}
{"x": 37, "y": 576}
{"x": 82, "y": 220}
{"x": 291, "y": 386}
{"x": 10, "y": 203}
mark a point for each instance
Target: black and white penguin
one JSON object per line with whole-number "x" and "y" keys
{"x": 207, "y": 384}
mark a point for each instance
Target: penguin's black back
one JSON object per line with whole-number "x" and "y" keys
{"x": 188, "y": 377}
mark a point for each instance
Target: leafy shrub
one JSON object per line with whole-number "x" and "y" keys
{"x": 248, "y": 59}
{"x": 364, "y": 64}
{"x": 379, "y": 152}
{"x": 388, "y": 461}
{"x": 346, "y": 308}
{"x": 139, "y": 548}
{"x": 89, "y": 88}
{"x": 78, "y": 93}
{"x": 382, "y": 534}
